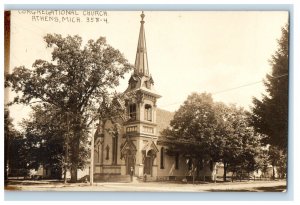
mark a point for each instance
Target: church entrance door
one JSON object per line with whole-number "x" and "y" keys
{"x": 148, "y": 165}
{"x": 130, "y": 163}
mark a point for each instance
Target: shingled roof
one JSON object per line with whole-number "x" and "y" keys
{"x": 163, "y": 119}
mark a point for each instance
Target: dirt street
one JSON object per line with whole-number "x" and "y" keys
{"x": 249, "y": 186}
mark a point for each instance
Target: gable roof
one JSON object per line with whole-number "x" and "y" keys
{"x": 150, "y": 146}
{"x": 163, "y": 119}
{"x": 127, "y": 147}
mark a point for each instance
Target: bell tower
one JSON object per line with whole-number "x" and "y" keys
{"x": 141, "y": 129}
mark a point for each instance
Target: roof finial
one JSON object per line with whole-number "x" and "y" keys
{"x": 142, "y": 16}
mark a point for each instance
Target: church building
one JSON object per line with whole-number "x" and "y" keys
{"x": 136, "y": 144}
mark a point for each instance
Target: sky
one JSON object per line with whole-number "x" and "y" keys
{"x": 199, "y": 51}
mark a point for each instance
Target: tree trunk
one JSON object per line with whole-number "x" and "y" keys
{"x": 75, "y": 158}
{"x": 214, "y": 172}
{"x": 73, "y": 173}
{"x": 5, "y": 158}
{"x": 273, "y": 170}
{"x": 65, "y": 175}
{"x": 225, "y": 170}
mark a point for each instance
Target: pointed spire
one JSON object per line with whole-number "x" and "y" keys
{"x": 141, "y": 59}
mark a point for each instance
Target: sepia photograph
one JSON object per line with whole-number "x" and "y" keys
{"x": 146, "y": 101}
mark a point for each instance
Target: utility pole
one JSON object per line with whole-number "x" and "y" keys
{"x": 67, "y": 150}
{"x": 92, "y": 156}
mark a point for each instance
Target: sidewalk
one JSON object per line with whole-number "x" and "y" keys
{"x": 137, "y": 185}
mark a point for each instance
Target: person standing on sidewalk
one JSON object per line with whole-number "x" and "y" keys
{"x": 131, "y": 173}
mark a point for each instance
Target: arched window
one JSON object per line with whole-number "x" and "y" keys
{"x": 107, "y": 152}
{"x": 162, "y": 150}
{"x": 98, "y": 149}
{"x": 148, "y": 112}
{"x": 115, "y": 148}
{"x": 132, "y": 111}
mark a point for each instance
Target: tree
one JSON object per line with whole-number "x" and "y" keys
{"x": 238, "y": 144}
{"x": 270, "y": 115}
{"x": 76, "y": 81}
{"x": 282, "y": 165}
{"x": 15, "y": 164}
{"x": 191, "y": 130}
{"x": 277, "y": 158}
{"x": 45, "y": 140}
{"x": 263, "y": 161}
{"x": 7, "y": 135}
{"x": 205, "y": 130}
{"x": 192, "y": 124}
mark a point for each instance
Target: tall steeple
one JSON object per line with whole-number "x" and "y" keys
{"x": 141, "y": 59}
{"x": 141, "y": 80}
